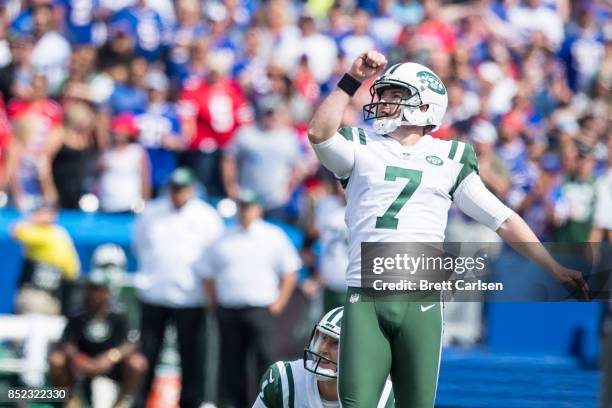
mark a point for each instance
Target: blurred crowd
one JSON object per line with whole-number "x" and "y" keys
{"x": 101, "y": 100}
{"x": 108, "y": 104}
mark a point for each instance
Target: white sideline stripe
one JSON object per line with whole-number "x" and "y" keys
{"x": 284, "y": 383}
{"x": 385, "y": 394}
{"x": 440, "y": 352}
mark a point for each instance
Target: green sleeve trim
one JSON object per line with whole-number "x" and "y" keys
{"x": 470, "y": 164}
{"x": 362, "y": 136}
{"x": 347, "y": 133}
{"x": 291, "y": 385}
{"x": 271, "y": 388}
{"x": 453, "y": 150}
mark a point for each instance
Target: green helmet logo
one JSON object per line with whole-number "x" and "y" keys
{"x": 432, "y": 82}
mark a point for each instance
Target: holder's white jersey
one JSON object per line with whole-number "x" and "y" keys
{"x": 287, "y": 384}
{"x": 398, "y": 193}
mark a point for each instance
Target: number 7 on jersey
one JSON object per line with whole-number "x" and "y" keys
{"x": 388, "y": 220}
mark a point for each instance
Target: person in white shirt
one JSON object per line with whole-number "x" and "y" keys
{"x": 329, "y": 214}
{"x": 124, "y": 168}
{"x": 534, "y": 16}
{"x": 169, "y": 237}
{"x": 51, "y": 53}
{"x": 249, "y": 275}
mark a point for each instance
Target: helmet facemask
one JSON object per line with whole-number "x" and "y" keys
{"x": 313, "y": 359}
{"x": 386, "y": 122}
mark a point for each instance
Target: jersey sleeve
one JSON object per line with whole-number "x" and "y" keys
{"x": 475, "y": 200}
{"x": 270, "y": 388}
{"x": 337, "y": 153}
{"x": 468, "y": 161}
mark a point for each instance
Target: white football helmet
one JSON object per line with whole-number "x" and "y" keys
{"x": 329, "y": 325}
{"x": 423, "y": 88}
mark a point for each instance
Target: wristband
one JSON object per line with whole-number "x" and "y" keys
{"x": 349, "y": 84}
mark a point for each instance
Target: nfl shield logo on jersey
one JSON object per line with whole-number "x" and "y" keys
{"x": 354, "y": 298}
{"x": 406, "y": 156}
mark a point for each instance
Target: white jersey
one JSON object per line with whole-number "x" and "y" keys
{"x": 398, "y": 193}
{"x": 333, "y": 233}
{"x": 287, "y": 384}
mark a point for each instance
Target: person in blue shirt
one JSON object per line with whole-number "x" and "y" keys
{"x": 147, "y": 27}
{"x": 81, "y": 19}
{"x": 583, "y": 50}
{"x": 127, "y": 96}
{"x": 188, "y": 27}
{"x": 160, "y": 130}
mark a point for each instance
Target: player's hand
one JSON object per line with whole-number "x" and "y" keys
{"x": 572, "y": 280}
{"x": 367, "y": 65}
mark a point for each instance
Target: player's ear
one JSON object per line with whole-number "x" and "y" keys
{"x": 424, "y": 108}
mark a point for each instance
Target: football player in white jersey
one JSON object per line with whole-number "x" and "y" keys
{"x": 400, "y": 183}
{"x": 311, "y": 382}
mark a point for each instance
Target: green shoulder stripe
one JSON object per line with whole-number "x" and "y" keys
{"x": 271, "y": 388}
{"x": 290, "y": 384}
{"x": 347, "y": 133}
{"x": 350, "y": 134}
{"x": 362, "y": 136}
{"x": 453, "y": 149}
{"x": 470, "y": 164}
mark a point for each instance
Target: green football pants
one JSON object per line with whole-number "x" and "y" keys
{"x": 398, "y": 335}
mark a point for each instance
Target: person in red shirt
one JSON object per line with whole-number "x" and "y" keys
{"x": 433, "y": 32}
{"x": 46, "y": 111}
{"x": 211, "y": 109}
{"x": 33, "y": 119}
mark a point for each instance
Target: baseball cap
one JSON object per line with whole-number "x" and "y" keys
{"x": 121, "y": 28}
{"x": 483, "y": 132}
{"x": 125, "y": 123}
{"x": 182, "y": 177}
{"x": 490, "y": 72}
{"x": 514, "y": 121}
{"x": 102, "y": 276}
{"x": 247, "y": 197}
{"x": 269, "y": 104}
{"x": 156, "y": 80}
{"x": 216, "y": 12}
